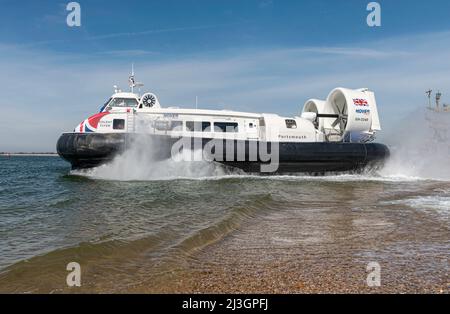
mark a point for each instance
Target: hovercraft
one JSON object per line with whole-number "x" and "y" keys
{"x": 332, "y": 135}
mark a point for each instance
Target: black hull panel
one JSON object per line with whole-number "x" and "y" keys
{"x": 85, "y": 150}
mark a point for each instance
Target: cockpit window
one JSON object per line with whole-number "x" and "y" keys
{"x": 123, "y": 102}
{"x": 104, "y": 106}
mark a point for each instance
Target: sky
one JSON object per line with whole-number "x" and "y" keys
{"x": 249, "y": 55}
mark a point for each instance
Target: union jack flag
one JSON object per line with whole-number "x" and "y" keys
{"x": 360, "y": 102}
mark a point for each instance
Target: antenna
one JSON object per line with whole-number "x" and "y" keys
{"x": 132, "y": 81}
{"x": 438, "y": 97}
{"x": 196, "y": 102}
{"x": 428, "y": 92}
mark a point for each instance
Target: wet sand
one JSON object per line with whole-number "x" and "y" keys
{"x": 302, "y": 249}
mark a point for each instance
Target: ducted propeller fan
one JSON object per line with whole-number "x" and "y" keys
{"x": 148, "y": 100}
{"x": 341, "y": 118}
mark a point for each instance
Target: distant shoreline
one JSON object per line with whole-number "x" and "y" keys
{"x": 27, "y": 154}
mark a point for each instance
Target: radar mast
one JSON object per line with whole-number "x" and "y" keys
{"x": 428, "y": 93}
{"x": 132, "y": 82}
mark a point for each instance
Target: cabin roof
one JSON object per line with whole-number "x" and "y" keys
{"x": 209, "y": 112}
{"x": 125, "y": 95}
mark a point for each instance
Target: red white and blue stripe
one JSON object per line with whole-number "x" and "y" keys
{"x": 91, "y": 123}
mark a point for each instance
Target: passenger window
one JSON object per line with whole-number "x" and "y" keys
{"x": 206, "y": 126}
{"x": 198, "y": 126}
{"x": 225, "y": 127}
{"x": 176, "y": 125}
{"x": 164, "y": 125}
{"x": 119, "y": 124}
{"x": 161, "y": 125}
{"x": 291, "y": 124}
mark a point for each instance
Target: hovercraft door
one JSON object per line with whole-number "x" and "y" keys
{"x": 251, "y": 129}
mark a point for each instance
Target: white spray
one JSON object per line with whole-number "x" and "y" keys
{"x": 140, "y": 162}
{"x": 420, "y": 146}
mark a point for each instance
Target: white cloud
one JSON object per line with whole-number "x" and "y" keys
{"x": 108, "y": 36}
{"x": 45, "y": 93}
{"x": 127, "y": 53}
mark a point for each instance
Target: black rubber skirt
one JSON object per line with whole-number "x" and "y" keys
{"x": 85, "y": 150}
